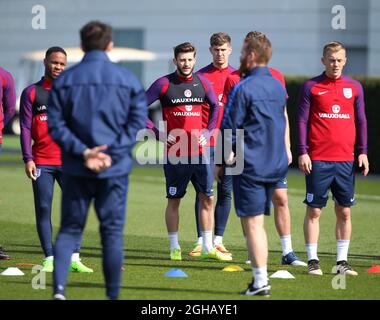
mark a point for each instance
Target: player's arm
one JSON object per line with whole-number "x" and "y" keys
{"x": 232, "y": 121}
{"x": 361, "y": 130}
{"x": 214, "y": 110}
{"x": 236, "y": 114}
{"x": 9, "y": 98}
{"x": 304, "y": 102}
{"x": 154, "y": 92}
{"x": 230, "y": 92}
{"x": 287, "y": 137}
{"x": 26, "y": 118}
{"x": 138, "y": 111}
{"x": 58, "y": 129}
{"x": 94, "y": 158}
{"x": 280, "y": 77}
{"x": 233, "y": 118}
{"x": 228, "y": 85}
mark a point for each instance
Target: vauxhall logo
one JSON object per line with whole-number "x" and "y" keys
{"x": 41, "y": 108}
{"x": 188, "y": 100}
{"x": 335, "y": 113}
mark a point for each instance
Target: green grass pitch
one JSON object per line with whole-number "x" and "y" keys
{"x": 146, "y": 245}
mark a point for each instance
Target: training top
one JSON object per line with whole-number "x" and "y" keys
{"x": 7, "y": 99}
{"x": 330, "y": 118}
{"x": 93, "y": 103}
{"x": 183, "y": 101}
{"x": 217, "y": 78}
{"x": 234, "y": 78}
{"x": 257, "y": 106}
{"x": 34, "y": 126}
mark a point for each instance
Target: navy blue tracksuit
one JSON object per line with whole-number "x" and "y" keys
{"x": 93, "y": 103}
{"x": 257, "y": 105}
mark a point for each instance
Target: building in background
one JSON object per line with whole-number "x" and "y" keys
{"x": 298, "y": 30}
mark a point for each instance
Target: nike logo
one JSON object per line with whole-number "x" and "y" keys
{"x": 195, "y": 84}
{"x": 352, "y": 199}
{"x": 321, "y": 92}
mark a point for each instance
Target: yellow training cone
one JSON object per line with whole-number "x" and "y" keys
{"x": 232, "y": 268}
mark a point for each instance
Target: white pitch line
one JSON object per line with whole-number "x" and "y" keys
{"x": 291, "y": 190}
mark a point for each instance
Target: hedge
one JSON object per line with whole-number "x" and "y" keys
{"x": 371, "y": 88}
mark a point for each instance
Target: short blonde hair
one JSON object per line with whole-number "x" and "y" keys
{"x": 333, "y": 46}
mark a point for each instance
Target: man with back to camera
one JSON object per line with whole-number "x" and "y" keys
{"x": 95, "y": 110}
{"x": 216, "y": 72}
{"x": 280, "y": 196}
{"x": 331, "y": 116}
{"x": 183, "y": 96}
{"x": 43, "y": 159}
{"x": 7, "y": 111}
{"x": 257, "y": 106}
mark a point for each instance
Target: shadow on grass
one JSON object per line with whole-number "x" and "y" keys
{"x": 39, "y": 252}
{"x": 156, "y": 249}
{"x": 78, "y": 284}
{"x": 24, "y": 245}
{"x": 96, "y": 285}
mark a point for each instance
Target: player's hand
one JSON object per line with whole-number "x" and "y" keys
{"x": 96, "y": 160}
{"x": 171, "y": 140}
{"x": 304, "y": 163}
{"x": 93, "y": 152}
{"x": 231, "y": 159}
{"x": 202, "y": 141}
{"x": 99, "y": 163}
{"x": 218, "y": 172}
{"x": 290, "y": 156}
{"x": 363, "y": 162}
{"x": 31, "y": 170}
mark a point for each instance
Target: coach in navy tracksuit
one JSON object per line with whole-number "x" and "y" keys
{"x": 257, "y": 105}
{"x": 95, "y": 110}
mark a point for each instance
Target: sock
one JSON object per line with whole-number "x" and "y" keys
{"x": 218, "y": 240}
{"x": 261, "y": 277}
{"x": 49, "y": 258}
{"x": 286, "y": 244}
{"x": 173, "y": 238}
{"x": 207, "y": 241}
{"x": 342, "y": 249}
{"x": 311, "y": 249}
{"x": 200, "y": 240}
{"x": 75, "y": 256}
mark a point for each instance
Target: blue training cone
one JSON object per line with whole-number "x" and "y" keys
{"x": 176, "y": 273}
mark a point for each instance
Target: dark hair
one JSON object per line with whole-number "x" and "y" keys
{"x": 219, "y": 39}
{"x": 95, "y": 35}
{"x": 183, "y": 48}
{"x": 258, "y": 43}
{"x": 54, "y": 49}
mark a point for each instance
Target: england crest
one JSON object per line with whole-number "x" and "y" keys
{"x": 309, "y": 197}
{"x": 172, "y": 191}
{"x": 38, "y": 173}
{"x": 347, "y": 92}
{"x": 187, "y": 93}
